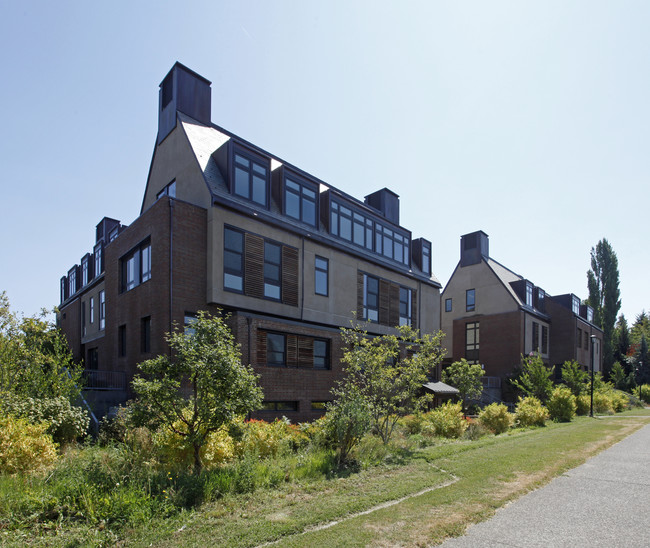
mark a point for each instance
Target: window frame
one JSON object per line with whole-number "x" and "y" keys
{"x": 238, "y": 158}
{"x": 228, "y": 271}
{"x": 135, "y": 266}
{"x": 282, "y": 353}
{"x": 323, "y": 271}
{"x": 406, "y": 319}
{"x": 366, "y": 298}
{"x": 102, "y": 310}
{"x": 301, "y": 197}
{"x": 271, "y": 282}
{"x": 472, "y": 347}
{"x": 145, "y": 335}
{"x": 121, "y": 341}
{"x": 448, "y": 305}
{"x": 327, "y": 360}
{"x": 470, "y": 306}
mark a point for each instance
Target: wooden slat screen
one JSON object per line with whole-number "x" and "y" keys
{"x": 254, "y": 266}
{"x": 384, "y": 302}
{"x": 289, "y": 275}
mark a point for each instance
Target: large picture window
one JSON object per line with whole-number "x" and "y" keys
{"x": 291, "y": 350}
{"x": 250, "y": 178}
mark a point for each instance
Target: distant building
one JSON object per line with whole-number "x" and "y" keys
{"x": 493, "y": 316}
{"x": 225, "y": 224}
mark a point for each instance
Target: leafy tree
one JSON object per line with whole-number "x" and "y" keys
{"x": 642, "y": 359}
{"x": 535, "y": 378}
{"x": 622, "y": 341}
{"x": 604, "y": 295}
{"x": 618, "y": 377}
{"x": 640, "y": 328}
{"x": 200, "y": 388}
{"x": 390, "y": 383}
{"x": 347, "y": 420}
{"x": 466, "y": 378}
{"x": 574, "y": 377}
{"x": 35, "y": 360}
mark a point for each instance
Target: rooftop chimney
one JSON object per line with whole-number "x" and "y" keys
{"x": 182, "y": 90}
{"x": 473, "y": 247}
{"x": 386, "y": 202}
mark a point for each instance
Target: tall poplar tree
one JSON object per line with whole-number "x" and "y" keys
{"x": 604, "y": 295}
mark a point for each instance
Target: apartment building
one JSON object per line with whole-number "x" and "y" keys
{"x": 226, "y": 225}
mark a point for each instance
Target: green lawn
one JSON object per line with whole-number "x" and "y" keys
{"x": 475, "y": 479}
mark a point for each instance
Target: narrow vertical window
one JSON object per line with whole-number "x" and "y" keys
{"x": 370, "y": 298}
{"x": 121, "y": 340}
{"x": 99, "y": 262}
{"x": 85, "y": 272}
{"x": 405, "y": 303}
{"x": 250, "y": 179}
{"x": 145, "y": 263}
{"x": 544, "y": 339}
{"x": 102, "y": 309}
{"x": 92, "y": 310}
{"x": 579, "y": 337}
{"x": 535, "y": 337}
{"x": 448, "y": 305}
{"x": 321, "y": 276}
{"x": 188, "y": 323}
{"x": 321, "y": 354}
{"x": 83, "y": 318}
{"x": 529, "y": 294}
{"x": 233, "y": 260}
{"x": 145, "y": 334}
{"x": 472, "y": 342}
{"x": 272, "y": 269}
{"x": 276, "y": 349}
{"x": 470, "y": 300}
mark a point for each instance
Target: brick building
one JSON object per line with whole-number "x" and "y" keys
{"x": 225, "y": 224}
{"x": 493, "y": 316}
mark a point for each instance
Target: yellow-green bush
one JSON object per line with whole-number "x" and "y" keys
{"x": 583, "y": 404}
{"x": 267, "y": 439}
{"x": 446, "y": 421}
{"x": 412, "y": 423}
{"x": 24, "y": 447}
{"x": 562, "y": 404}
{"x": 175, "y": 451}
{"x": 643, "y": 392}
{"x": 603, "y": 404}
{"x": 530, "y": 412}
{"x": 495, "y": 417}
{"x": 620, "y": 400}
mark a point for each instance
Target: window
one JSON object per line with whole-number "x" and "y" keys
{"x": 447, "y": 305}
{"x": 145, "y": 334}
{"x": 541, "y": 300}
{"x": 472, "y": 342}
{"x": 188, "y": 320}
{"x": 169, "y": 190}
{"x": 321, "y": 354}
{"x": 529, "y": 294}
{"x": 579, "y": 338}
{"x": 92, "y": 362}
{"x": 276, "y": 349}
{"x": 300, "y": 201}
{"x": 113, "y": 233}
{"x": 250, "y": 179}
{"x": 233, "y": 260}
{"x": 535, "y": 337}
{"x": 470, "y": 300}
{"x": 575, "y": 305}
{"x": 99, "y": 258}
{"x": 121, "y": 340}
{"x": 586, "y": 340}
{"x": 405, "y": 295}
{"x": 102, "y": 309}
{"x": 370, "y": 298}
{"x": 83, "y": 318}
{"x": 426, "y": 257}
{"x": 590, "y": 314}
{"x": 279, "y": 406}
{"x": 366, "y": 232}
{"x": 136, "y": 266}
{"x": 64, "y": 282}
{"x": 544, "y": 339}
{"x": 321, "y": 276}
{"x": 72, "y": 281}
{"x": 92, "y": 310}
{"x": 272, "y": 269}
{"x": 85, "y": 271}
{"x": 319, "y": 405}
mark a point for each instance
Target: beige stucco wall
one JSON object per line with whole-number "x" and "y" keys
{"x": 174, "y": 159}
{"x": 337, "y": 308}
{"x": 491, "y": 297}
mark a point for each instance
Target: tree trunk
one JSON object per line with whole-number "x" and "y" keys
{"x": 197, "y": 458}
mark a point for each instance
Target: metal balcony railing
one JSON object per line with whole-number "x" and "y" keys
{"x": 97, "y": 379}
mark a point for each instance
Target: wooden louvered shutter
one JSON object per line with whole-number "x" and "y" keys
{"x": 261, "y": 348}
{"x": 290, "y": 276}
{"x": 384, "y": 302}
{"x": 254, "y": 266}
{"x": 360, "y": 315}
{"x": 305, "y": 352}
{"x": 414, "y": 308}
{"x": 394, "y": 305}
{"x": 292, "y": 350}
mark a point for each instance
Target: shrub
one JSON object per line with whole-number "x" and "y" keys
{"x": 268, "y": 439}
{"x": 176, "y": 451}
{"x": 347, "y": 420}
{"x": 66, "y": 422}
{"x": 446, "y": 421}
{"x": 562, "y": 404}
{"x": 620, "y": 400}
{"x": 412, "y": 423}
{"x": 475, "y": 431}
{"x": 24, "y": 447}
{"x": 643, "y": 393}
{"x": 583, "y": 404}
{"x": 603, "y": 404}
{"x": 530, "y": 412}
{"x": 496, "y": 418}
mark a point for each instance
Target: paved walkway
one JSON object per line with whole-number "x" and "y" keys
{"x": 604, "y": 502}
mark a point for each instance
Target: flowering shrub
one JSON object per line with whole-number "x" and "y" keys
{"x": 446, "y": 421}
{"x": 24, "y": 447}
{"x": 531, "y": 412}
{"x": 495, "y": 417}
{"x": 562, "y": 404}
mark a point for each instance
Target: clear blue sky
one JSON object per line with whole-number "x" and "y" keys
{"x": 528, "y": 120}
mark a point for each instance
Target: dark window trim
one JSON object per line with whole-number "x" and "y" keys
{"x": 275, "y": 406}
{"x": 121, "y": 341}
{"x": 140, "y": 274}
{"x": 302, "y": 183}
{"x": 449, "y": 302}
{"x": 145, "y": 335}
{"x": 238, "y": 149}
{"x": 470, "y": 307}
{"x": 472, "y": 349}
{"x": 325, "y": 271}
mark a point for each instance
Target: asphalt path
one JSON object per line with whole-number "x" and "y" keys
{"x": 603, "y": 502}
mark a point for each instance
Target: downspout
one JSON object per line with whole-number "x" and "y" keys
{"x": 171, "y": 262}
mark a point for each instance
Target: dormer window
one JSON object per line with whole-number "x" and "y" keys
{"x": 575, "y": 305}
{"x": 590, "y": 314}
{"x": 426, "y": 258}
{"x": 99, "y": 258}
{"x": 300, "y": 200}
{"x": 250, "y": 178}
{"x": 529, "y": 294}
{"x": 169, "y": 190}
{"x": 72, "y": 281}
